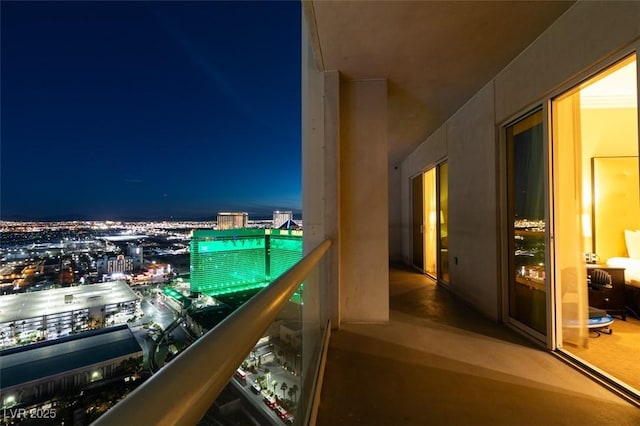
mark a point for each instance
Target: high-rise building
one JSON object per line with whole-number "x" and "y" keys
{"x": 136, "y": 253}
{"x": 232, "y": 260}
{"x": 114, "y": 265}
{"x": 281, "y": 217}
{"x": 119, "y": 264}
{"x": 232, "y": 220}
{"x": 285, "y": 250}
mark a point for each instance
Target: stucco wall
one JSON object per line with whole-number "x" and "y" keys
{"x": 586, "y": 34}
{"x": 473, "y": 203}
{"x": 364, "y": 201}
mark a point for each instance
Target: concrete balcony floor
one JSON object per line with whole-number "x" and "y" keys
{"x": 439, "y": 362}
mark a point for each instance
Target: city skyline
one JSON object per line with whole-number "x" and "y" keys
{"x": 149, "y": 110}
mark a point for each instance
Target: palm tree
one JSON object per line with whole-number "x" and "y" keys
{"x": 283, "y": 388}
{"x": 294, "y": 388}
{"x": 290, "y": 393}
{"x": 274, "y": 384}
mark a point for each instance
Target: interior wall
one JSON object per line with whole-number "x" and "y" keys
{"x": 617, "y": 207}
{"x": 609, "y": 132}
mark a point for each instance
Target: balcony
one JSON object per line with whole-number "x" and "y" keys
{"x": 439, "y": 362}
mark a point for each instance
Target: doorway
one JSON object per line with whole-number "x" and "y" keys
{"x": 596, "y": 210}
{"x": 429, "y": 231}
{"x": 417, "y": 198}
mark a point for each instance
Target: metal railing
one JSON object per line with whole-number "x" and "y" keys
{"x": 183, "y": 391}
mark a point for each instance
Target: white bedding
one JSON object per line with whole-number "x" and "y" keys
{"x": 631, "y": 271}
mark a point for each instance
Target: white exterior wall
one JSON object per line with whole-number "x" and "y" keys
{"x": 473, "y": 203}
{"x": 364, "y": 201}
{"x": 588, "y": 36}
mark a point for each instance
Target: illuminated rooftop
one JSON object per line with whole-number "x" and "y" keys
{"x": 19, "y": 306}
{"x": 41, "y": 360}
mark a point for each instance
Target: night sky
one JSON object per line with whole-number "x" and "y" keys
{"x": 149, "y": 110}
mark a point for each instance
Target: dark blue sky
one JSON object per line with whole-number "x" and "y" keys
{"x": 149, "y": 109}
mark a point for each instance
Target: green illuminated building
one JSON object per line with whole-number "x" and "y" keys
{"x": 233, "y": 260}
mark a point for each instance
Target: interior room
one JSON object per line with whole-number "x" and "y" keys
{"x": 430, "y": 230}
{"x": 604, "y": 116}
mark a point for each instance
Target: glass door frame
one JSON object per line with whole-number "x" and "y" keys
{"x": 417, "y": 211}
{"x": 506, "y": 272}
{"x": 557, "y": 344}
{"x": 554, "y": 328}
{"x": 442, "y": 223}
{"x": 423, "y": 211}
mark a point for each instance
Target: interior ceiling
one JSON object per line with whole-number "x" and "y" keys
{"x": 435, "y": 55}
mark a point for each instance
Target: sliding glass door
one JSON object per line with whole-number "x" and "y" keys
{"x": 596, "y": 210}
{"x": 527, "y": 231}
{"x": 430, "y": 221}
{"x": 443, "y": 208}
{"x": 417, "y": 228}
{"x": 430, "y": 217}
{"x": 573, "y": 224}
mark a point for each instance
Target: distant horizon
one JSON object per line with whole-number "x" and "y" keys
{"x": 255, "y": 215}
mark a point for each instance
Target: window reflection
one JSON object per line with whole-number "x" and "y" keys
{"x": 526, "y": 210}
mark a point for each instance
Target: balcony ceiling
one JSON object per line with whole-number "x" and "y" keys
{"x": 435, "y": 54}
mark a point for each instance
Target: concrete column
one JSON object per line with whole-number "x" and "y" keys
{"x": 320, "y": 176}
{"x": 330, "y": 292}
{"x": 345, "y": 181}
{"x": 363, "y": 202}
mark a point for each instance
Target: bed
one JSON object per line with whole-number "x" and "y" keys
{"x": 631, "y": 267}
